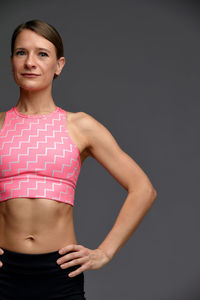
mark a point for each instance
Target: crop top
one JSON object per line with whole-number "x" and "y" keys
{"x": 38, "y": 159}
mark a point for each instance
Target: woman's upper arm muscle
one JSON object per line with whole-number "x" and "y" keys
{"x": 104, "y": 148}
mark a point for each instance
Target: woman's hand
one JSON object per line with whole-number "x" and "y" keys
{"x": 1, "y": 252}
{"x": 87, "y": 258}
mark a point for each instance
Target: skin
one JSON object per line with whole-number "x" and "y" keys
{"x": 93, "y": 139}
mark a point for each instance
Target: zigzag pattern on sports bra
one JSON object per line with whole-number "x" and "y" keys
{"x": 38, "y": 158}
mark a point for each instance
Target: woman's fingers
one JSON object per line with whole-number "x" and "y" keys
{"x": 1, "y": 253}
{"x": 73, "y": 258}
{"x": 72, "y": 247}
{"x": 74, "y": 262}
{"x": 80, "y": 255}
{"x": 78, "y": 271}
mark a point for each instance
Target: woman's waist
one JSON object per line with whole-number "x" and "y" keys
{"x": 36, "y": 245}
{"x": 23, "y": 265}
{"x": 47, "y": 239}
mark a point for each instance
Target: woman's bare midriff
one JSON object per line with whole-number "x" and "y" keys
{"x": 33, "y": 225}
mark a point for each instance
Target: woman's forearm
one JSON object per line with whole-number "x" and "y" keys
{"x": 136, "y": 205}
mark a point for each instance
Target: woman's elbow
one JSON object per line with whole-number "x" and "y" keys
{"x": 152, "y": 193}
{"x": 149, "y": 192}
{"x": 146, "y": 190}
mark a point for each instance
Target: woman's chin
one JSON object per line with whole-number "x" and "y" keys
{"x": 30, "y": 87}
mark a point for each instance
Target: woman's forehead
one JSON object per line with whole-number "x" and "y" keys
{"x": 29, "y": 39}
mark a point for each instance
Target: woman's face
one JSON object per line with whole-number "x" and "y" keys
{"x": 35, "y": 54}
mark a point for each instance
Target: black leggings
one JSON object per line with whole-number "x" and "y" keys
{"x": 38, "y": 277}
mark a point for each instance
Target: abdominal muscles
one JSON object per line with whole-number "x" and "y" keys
{"x": 36, "y": 225}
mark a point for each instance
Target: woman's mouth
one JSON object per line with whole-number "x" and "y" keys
{"x": 30, "y": 75}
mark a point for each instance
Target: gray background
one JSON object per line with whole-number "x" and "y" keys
{"x": 134, "y": 66}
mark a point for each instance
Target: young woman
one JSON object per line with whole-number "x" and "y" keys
{"x": 42, "y": 148}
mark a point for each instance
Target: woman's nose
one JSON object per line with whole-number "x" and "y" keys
{"x": 30, "y": 61}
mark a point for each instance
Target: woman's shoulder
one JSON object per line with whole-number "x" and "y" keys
{"x": 79, "y": 125}
{"x": 84, "y": 128}
{"x": 81, "y": 119}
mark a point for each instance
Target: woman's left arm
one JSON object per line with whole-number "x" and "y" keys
{"x": 141, "y": 194}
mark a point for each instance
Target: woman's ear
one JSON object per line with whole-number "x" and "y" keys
{"x": 60, "y": 64}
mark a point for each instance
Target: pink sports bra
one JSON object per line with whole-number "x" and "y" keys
{"x": 38, "y": 159}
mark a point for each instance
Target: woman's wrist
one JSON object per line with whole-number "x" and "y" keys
{"x": 107, "y": 253}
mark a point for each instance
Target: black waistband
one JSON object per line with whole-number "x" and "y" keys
{"x": 25, "y": 263}
{"x": 30, "y": 256}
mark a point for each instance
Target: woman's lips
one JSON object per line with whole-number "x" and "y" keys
{"x": 29, "y": 75}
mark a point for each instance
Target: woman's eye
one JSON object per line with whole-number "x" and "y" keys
{"x": 45, "y": 54}
{"x": 19, "y": 52}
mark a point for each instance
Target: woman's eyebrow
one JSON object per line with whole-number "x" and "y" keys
{"x": 44, "y": 49}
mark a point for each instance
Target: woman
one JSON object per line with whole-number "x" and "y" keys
{"x": 42, "y": 148}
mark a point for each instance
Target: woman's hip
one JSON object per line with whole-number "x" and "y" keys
{"x": 38, "y": 276}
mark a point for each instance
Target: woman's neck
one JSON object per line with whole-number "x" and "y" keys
{"x": 35, "y": 101}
